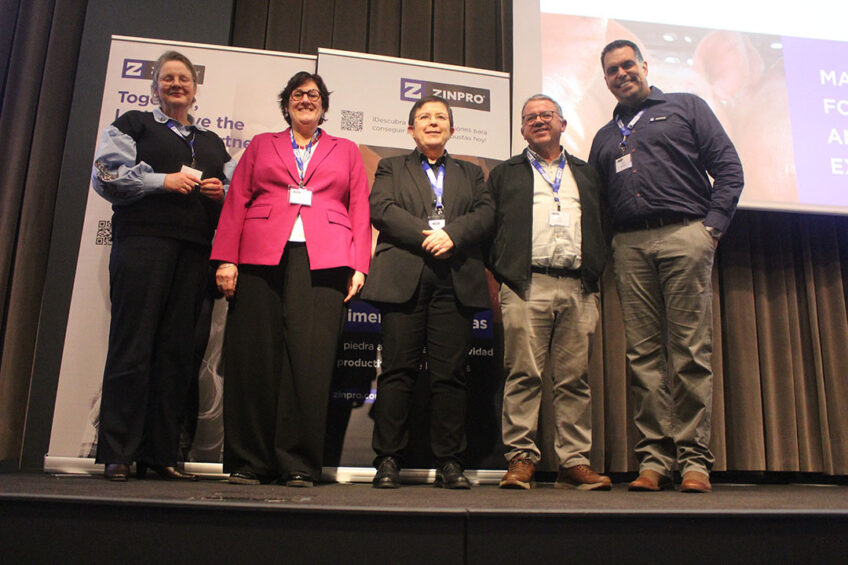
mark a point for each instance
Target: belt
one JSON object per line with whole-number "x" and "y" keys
{"x": 556, "y": 271}
{"x": 655, "y": 222}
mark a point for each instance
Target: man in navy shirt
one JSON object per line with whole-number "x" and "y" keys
{"x": 654, "y": 158}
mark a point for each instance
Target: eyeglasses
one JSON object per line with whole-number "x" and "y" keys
{"x": 439, "y": 117}
{"x": 170, "y": 79}
{"x": 313, "y": 95}
{"x": 545, "y": 116}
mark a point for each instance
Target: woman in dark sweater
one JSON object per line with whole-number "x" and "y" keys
{"x": 164, "y": 176}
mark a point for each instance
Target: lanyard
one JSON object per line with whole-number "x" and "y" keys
{"x": 302, "y": 156}
{"x": 627, "y": 130}
{"x": 437, "y": 182}
{"x": 557, "y": 179}
{"x": 190, "y": 140}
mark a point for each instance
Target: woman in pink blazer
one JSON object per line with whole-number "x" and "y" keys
{"x": 294, "y": 243}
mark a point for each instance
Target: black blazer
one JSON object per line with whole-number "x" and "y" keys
{"x": 401, "y": 201}
{"x": 511, "y": 187}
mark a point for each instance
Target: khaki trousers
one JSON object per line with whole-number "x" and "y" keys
{"x": 664, "y": 282}
{"x": 552, "y": 328}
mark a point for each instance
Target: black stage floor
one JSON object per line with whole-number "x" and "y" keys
{"x": 73, "y": 519}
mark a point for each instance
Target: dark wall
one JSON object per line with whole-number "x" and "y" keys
{"x": 196, "y": 21}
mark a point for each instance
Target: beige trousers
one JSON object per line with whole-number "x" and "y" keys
{"x": 552, "y": 328}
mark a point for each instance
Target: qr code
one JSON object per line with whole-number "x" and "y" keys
{"x": 104, "y": 233}
{"x": 352, "y": 121}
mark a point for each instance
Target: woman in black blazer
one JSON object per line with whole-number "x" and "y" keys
{"x": 428, "y": 279}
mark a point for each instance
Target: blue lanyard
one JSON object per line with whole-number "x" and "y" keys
{"x": 303, "y": 156}
{"x": 557, "y": 179}
{"x": 437, "y": 182}
{"x": 628, "y": 129}
{"x": 173, "y": 125}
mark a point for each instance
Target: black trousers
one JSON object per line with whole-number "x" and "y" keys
{"x": 283, "y": 329}
{"x": 435, "y": 319}
{"x": 156, "y": 287}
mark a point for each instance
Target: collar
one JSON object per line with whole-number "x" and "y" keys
{"x": 541, "y": 159}
{"x": 160, "y": 117}
{"x": 654, "y": 97}
{"x": 423, "y": 158}
{"x": 285, "y": 133}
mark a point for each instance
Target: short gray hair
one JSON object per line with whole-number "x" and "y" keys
{"x": 164, "y": 58}
{"x": 543, "y": 97}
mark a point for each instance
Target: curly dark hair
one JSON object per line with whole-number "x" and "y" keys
{"x": 297, "y": 80}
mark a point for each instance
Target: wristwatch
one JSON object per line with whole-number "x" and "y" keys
{"x": 714, "y": 232}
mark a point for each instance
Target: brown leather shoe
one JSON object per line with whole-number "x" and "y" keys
{"x": 582, "y": 477}
{"x": 520, "y": 473}
{"x": 650, "y": 481}
{"x": 695, "y": 481}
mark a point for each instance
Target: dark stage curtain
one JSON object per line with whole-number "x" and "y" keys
{"x": 781, "y": 324}
{"x": 474, "y": 33}
{"x": 39, "y": 44}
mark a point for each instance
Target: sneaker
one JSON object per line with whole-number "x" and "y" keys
{"x": 582, "y": 477}
{"x": 520, "y": 473}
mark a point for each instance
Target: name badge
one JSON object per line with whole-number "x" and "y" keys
{"x": 195, "y": 172}
{"x": 558, "y": 218}
{"x": 436, "y": 222}
{"x": 300, "y": 195}
{"x": 623, "y": 163}
{"x": 436, "y": 219}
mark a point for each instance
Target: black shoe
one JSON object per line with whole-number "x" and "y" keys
{"x": 243, "y": 478}
{"x": 116, "y": 471}
{"x": 449, "y": 475}
{"x": 299, "y": 479}
{"x": 388, "y": 474}
{"x": 167, "y": 472}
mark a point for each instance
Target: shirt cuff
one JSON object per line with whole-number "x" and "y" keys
{"x": 153, "y": 181}
{"x": 717, "y": 220}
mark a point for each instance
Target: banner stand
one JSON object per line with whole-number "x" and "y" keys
{"x": 344, "y": 475}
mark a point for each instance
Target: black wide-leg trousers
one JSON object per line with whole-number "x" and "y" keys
{"x": 283, "y": 329}
{"x": 156, "y": 287}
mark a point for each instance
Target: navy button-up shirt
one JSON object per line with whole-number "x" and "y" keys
{"x": 673, "y": 147}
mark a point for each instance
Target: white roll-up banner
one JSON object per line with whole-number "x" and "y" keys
{"x": 237, "y": 99}
{"x": 372, "y": 97}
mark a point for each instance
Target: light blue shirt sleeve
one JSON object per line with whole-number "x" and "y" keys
{"x": 116, "y": 176}
{"x": 229, "y": 169}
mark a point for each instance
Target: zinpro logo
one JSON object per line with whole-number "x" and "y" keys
{"x": 136, "y": 68}
{"x": 459, "y": 96}
{"x": 139, "y": 68}
{"x": 411, "y": 89}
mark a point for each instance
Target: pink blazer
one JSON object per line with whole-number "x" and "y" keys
{"x": 257, "y": 218}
